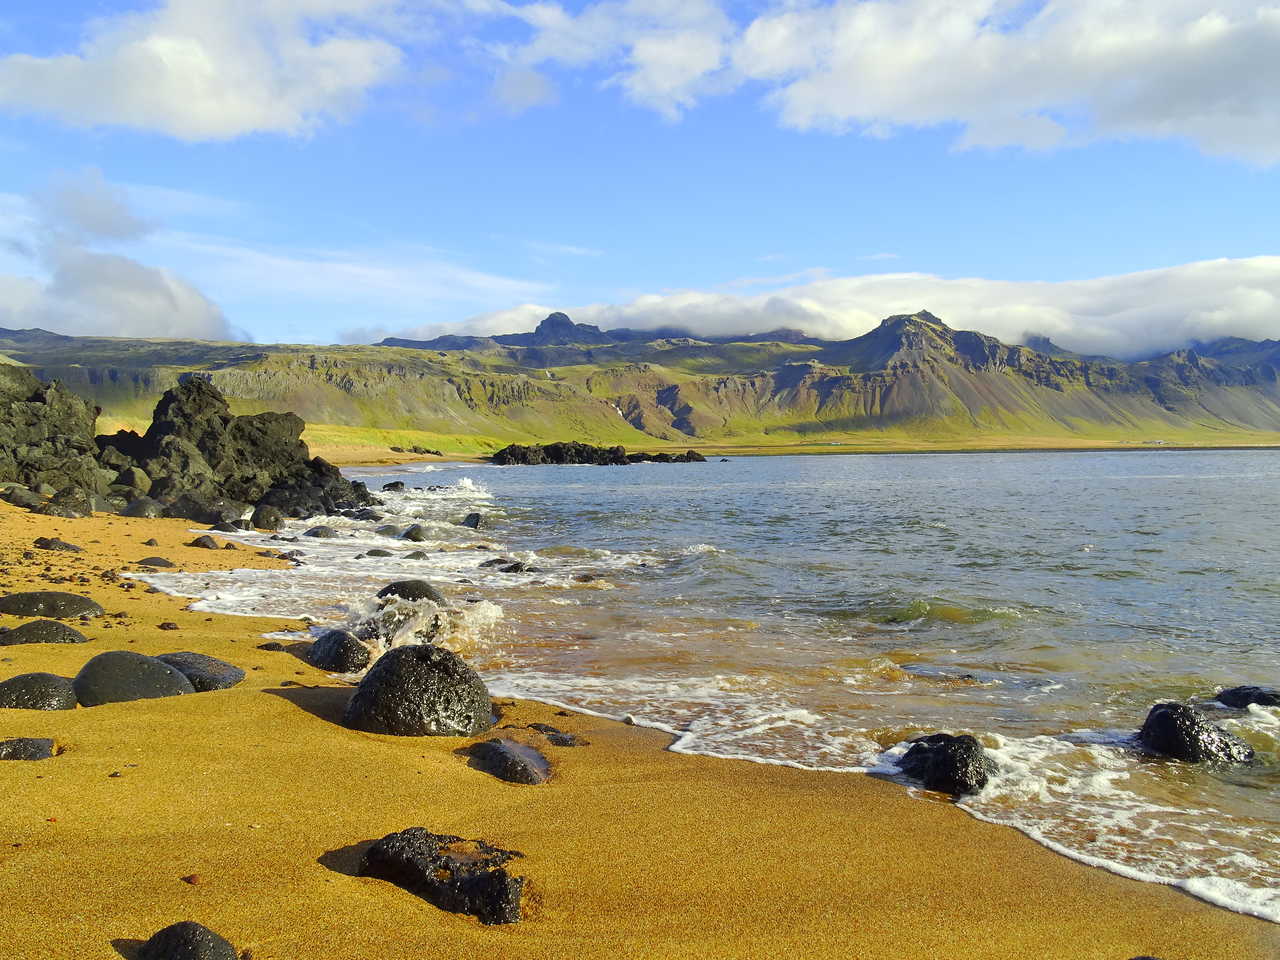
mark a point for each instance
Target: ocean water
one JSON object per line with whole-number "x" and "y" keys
{"x": 821, "y": 611}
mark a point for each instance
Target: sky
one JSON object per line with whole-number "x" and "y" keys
{"x": 317, "y": 171}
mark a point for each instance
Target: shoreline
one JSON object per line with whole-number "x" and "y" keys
{"x": 259, "y": 792}
{"x": 395, "y": 460}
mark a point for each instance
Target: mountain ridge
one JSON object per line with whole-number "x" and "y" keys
{"x": 910, "y": 376}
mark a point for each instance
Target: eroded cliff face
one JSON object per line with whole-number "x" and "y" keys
{"x": 912, "y": 371}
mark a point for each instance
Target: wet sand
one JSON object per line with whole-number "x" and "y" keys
{"x": 258, "y": 795}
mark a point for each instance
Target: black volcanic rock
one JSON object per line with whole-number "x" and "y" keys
{"x": 1239, "y": 697}
{"x": 511, "y": 761}
{"x": 338, "y": 652}
{"x": 954, "y": 765}
{"x": 46, "y": 434}
{"x": 37, "y": 691}
{"x": 572, "y": 452}
{"x": 1177, "y": 730}
{"x": 187, "y": 940}
{"x": 204, "y": 672}
{"x": 53, "y": 543}
{"x": 122, "y": 675}
{"x": 208, "y": 465}
{"x": 461, "y": 876}
{"x": 41, "y": 631}
{"x": 412, "y": 590}
{"x": 49, "y": 603}
{"x": 417, "y": 691}
{"x": 144, "y": 507}
{"x": 26, "y": 748}
{"x": 267, "y": 517}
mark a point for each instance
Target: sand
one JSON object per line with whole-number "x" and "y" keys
{"x": 258, "y": 795}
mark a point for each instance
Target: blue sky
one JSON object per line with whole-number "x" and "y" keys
{"x": 322, "y": 170}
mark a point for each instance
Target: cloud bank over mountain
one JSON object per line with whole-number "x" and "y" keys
{"x": 1126, "y": 315}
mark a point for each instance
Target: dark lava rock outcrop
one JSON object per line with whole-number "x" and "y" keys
{"x": 461, "y": 876}
{"x": 208, "y": 465}
{"x": 53, "y": 543}
{"x": 510, "y": 761}
{"x": 41, "y": 631}
{"x": 46, "y": 434}
{"x": 49, "y": 603}
{"x": 204, "y": 672}
{"x": 954, "y": 765}
{"x": 1238, "y": 697}
{"x": 26, "y": 748}
{"x": 187, "y": 940}
{"x": 572, "y": 452}
{"x": 338, "y": 652}
{"x": 1177, "y": 730}
{"x": 122, "y": 675}
{"x": 37, "y": 691}
{"x": 418, "y": 691}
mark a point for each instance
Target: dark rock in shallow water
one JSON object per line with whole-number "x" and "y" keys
{"x": 26, "y": 748}
{"x": 412, "y": 590}
{"x": 954, "y": 765}
{"x": 53, "y": 543}
{"x": 395, "y": 486}
{"x": 205, "y": 673}
{"x": 510, "y": 761}
{"x": 49, "y": 603}
{"x": 204, "y": 542}
{"x": 144, "y": 507}
{"x": 498, "y": 562}
{"x": 418, "y": 691}
{"x": 155, "y": 562}
{"x": 322, "y": 533}
{"x": 121, "y": 675}
{"x": 471, "y": 520}
{"x": 415, "y": 534}
{"x": 1176, "y": 730}
{"x": 37, "y": 691}
{"x": 266, "y": 517}
{"x": 519, "y": 566}
{"x": 461, "y": 876}
{"x": 187, "y": 941}
{"x": 571, "y": 452}
{"x": 416, "y": 555}
{"x": 379, "y": 552}
{"x": 42, "y": 631}
{"x": 1241, "y": 697}
{"x": 223, "y": 527}
{"x": 338, "y": 652}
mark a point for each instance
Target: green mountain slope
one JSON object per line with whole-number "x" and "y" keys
{"x": 913, "y": 378}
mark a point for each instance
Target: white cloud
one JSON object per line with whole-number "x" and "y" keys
{"x": 521, "y": 88}
{"x": 212, "y": 69}
{"x": 1122, "y": 315}
{"x": 61, "y": 283}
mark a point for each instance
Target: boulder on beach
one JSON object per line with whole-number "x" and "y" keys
{"x": 37, "y": 691}
{"x": 321, "y": 533}
{"x": 53, "y": 543}
{"x": 510, "y": 760}
{"x": 42, "y": 631}
{"x": 954, "y": 765}
{"x": 49, "y": 603}
{"x": 205, "y": 542}
{"x": 158, "y": 562}
{"x": 46, "y": 434}
{"x": 1241, "y": 697}
{"x": 420, "y": 691}
{"x": 1177, "y": 730}
{"x": 205, "y": 508}
{"x": 267, "y": 517}
{"x": 338, "y": 652}
{"x": 26, "y": 748}
{"x": 204, "y": 672}
{"x": 187, "y": 940}
{"x": 412, "y": 590}
{"x": 21, "y": 497}
{"x": 122, "y": 675}
{"x": 145, "y": 508}
{"x": 461, "y": 876}
{"x": 557, "y": 737}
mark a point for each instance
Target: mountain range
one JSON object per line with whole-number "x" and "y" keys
{"x": 911, "y": 379}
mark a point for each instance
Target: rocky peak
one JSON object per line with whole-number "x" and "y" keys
{"x": 557, "y": 330}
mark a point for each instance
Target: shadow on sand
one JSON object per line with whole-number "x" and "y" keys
{"x": 327, "y": 703}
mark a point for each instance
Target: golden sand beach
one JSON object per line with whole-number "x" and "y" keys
{"x": 248, "y": 809}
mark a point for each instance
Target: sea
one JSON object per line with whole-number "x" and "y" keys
{"x": 821, "y": 611}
